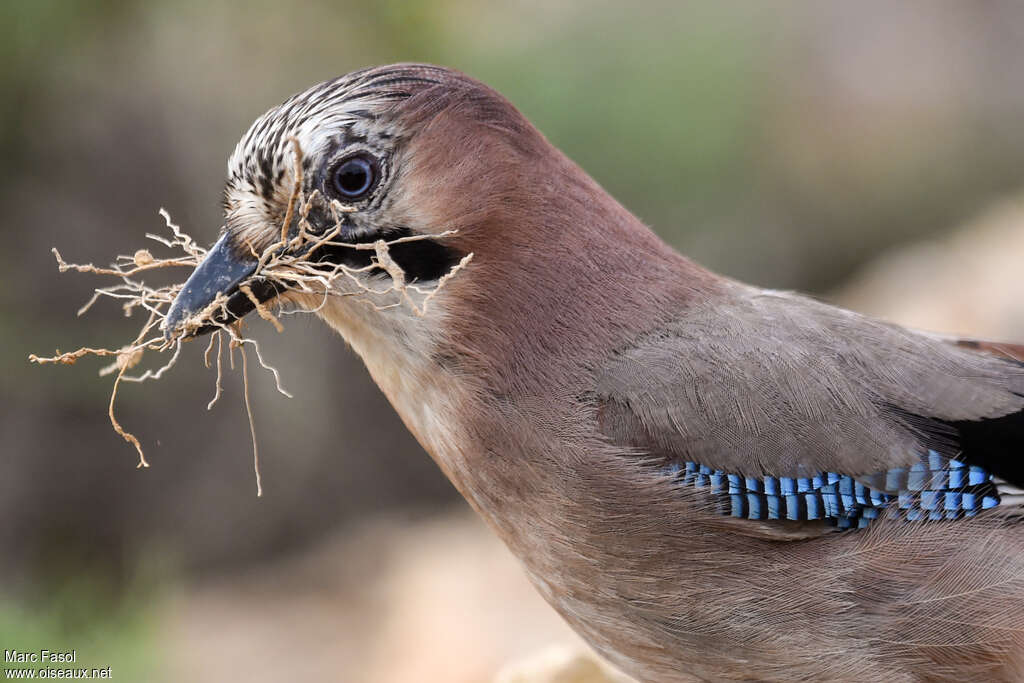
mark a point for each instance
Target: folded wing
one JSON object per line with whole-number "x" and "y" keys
{"x": 787, "y": 408}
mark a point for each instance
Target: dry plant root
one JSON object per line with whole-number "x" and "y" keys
{"x": 284, "y": 263}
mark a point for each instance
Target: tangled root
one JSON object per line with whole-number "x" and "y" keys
{"x": 284, "y": 263}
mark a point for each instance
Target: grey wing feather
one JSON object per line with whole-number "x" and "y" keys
{"x": 772, "y": 383}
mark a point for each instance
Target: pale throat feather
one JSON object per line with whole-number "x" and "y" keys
{"x": 398, "y": 346}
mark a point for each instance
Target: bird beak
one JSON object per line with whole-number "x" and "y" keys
{"x": 221, "y": 272}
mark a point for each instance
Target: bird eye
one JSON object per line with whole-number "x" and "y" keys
{"x": 353, "y": 178}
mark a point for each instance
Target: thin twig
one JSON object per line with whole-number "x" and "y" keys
{"x": 220, "y": 354}
{"x": 261, "y": 309}
{"x": 129, "y": 437}
{"x": 296, "y": 189}
{"x": 252, "y": 422}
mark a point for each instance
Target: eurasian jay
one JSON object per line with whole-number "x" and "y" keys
{"x": 708, "y": 480}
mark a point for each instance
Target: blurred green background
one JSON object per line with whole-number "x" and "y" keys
{"x": 783, "y": 143}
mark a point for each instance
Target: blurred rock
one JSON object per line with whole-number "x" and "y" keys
{"x": 969, "y": 282}
{"x": 560, "y": 664}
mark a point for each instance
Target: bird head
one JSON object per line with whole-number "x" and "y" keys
{"x": 415, "y": 153}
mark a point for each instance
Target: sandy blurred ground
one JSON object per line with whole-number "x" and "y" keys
{"x": 437, "y": 599}
{"x": 440, "y": 599}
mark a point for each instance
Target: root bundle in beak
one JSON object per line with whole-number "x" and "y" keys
{"x": 288, "y": 265}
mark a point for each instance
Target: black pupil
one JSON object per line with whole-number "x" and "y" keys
{"x": 354, "y": 177}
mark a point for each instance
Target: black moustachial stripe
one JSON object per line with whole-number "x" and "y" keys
{"x": 422, "y": 260}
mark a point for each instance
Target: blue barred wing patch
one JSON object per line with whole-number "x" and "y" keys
{"x": 934, "y": 488}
